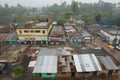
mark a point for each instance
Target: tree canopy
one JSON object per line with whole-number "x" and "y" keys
{"x": 18, "y": 71}
{"x": 101, "y": 12}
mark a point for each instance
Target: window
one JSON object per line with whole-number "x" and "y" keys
{"x": 26, "y": 31}
{"x": 20, "y": 31}
{"x": 43, "y": 31}
{"x": 63, "y": 73}
{"x": 37, "y": 31}
{"x": 32, "y": 31}
{"x": 49, "y": 74}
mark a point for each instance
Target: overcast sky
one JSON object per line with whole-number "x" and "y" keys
{"x": 39, "y": 3}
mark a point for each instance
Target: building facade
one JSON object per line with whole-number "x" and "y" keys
{"x": 34, "y": 32}
{"x": 110, "y": 34}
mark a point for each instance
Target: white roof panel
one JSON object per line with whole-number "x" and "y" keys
{"x": 86, "y": 63}
{"x": 32, "y": 64}
{"x": 108, "y": 63}
{"x": 46, "y": 64}
{"x": 77, "y": 63}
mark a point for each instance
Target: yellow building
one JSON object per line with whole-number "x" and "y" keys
{"x": 36, "y": 32}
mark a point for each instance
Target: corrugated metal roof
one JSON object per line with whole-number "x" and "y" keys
{"x": 57, "y": 31}
{"x": 2, "y": 37}
{"x": 46, "y": 64}
{"x": 108, "y": 63}
{"x": 32, "y": 64}
{"x": 80, "y": 22}
{"x": 11, "y": 36}
{"x": 86, "y": 63}
{"x": 85, "y": 33}
{"x": 46, "y": 51}
{"x": 42, "y": 24}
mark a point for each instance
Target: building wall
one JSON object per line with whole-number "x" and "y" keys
{"x": 33, "y": 34}
{"x": 111, "y": 37}
{"x": 37, "y": 38}
{"x": 23, "y": 33}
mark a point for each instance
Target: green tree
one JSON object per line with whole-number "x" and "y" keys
{"x": 68, "y": 15}
{"x": 98, "y": 18}
{"x": 74, "y": 7}
{"x": 17, "y": 71}
{"x": 61, "y": 21}
{"x": 117, "y": 20}
{"x": 6, "y": 5}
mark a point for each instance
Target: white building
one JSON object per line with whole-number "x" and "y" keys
{"x": 111, "y": 34}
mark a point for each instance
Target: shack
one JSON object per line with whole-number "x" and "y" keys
{"x": 57, "y": 35}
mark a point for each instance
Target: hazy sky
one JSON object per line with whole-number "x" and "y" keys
{"x": 39, "y": 3}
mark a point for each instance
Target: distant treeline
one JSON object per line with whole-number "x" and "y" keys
{"x": 101, "y": 12}
{"x": 15, "y": 14}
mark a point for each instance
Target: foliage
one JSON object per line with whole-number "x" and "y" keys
{"x": 98, "y": 18}
{"x": 74, "y": 7}
{"x": 117, "y": 20}
{"x": 101, "y": 12}
{"x": 61, "y": 21}
{"x": 18, "y": 71}
{"x": 68, "y": 15}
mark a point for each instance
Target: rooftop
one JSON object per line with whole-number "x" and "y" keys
{"x": 112, "y": 31}
{"x": 108, "y": 63}
{"x": 41, "y": 24}
{"x": 86, "y": 63}
{"x": 45, "y": 64}
{"x": 56, "y": 31}
{"x": 59, "y": 51}
{"x": 2, "y": 37}
{"x": 11, "y": 37}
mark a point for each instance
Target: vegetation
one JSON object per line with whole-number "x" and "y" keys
{"x": 17, "y": 71}
{"x": 15, "y": 14}
{"x": 61, "y": 21}
{"x": 102, "y": 12}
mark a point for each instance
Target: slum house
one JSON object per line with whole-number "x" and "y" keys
{"x": 11, "y": 38}
{"x": 94, "y": 29}
{"x": 35, "y": 32}
{"x": 87, "y": 37}
{"x": 77, "y": 65}
{"x": 73, "y": 36}
{"x": 109, "y": 68}
{"x": 80, "y": 23}
{"x": 64, "y": 66}
{"x": 57, "y": 35}
{"x": 111, "y": 35}
{"x": 108, "y": 64}
{"x": 48, "y": 59}
{"x": 86, "y": 65}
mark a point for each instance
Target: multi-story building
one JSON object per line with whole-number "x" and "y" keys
{"x": 34, "y": 32}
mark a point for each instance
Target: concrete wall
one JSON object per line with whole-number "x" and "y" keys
{"x": 33, "y": 35}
